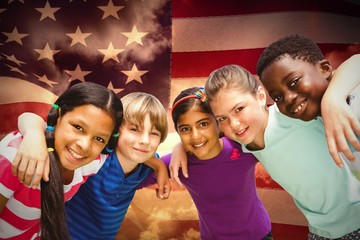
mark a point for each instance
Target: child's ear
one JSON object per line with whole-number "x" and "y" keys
{"x": 261, "y": 94}
{"x": 326, "y": 69}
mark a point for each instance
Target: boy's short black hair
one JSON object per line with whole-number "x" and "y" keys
{"x": 295, "y": 46}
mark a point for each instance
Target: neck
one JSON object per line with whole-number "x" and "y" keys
{"x": 66, "y": 175}
{"x": 259, "y": 142}
{"x": 127, "y": 165}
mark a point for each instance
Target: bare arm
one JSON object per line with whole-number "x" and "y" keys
{"x": 31, "y": 162}
{"x": 339, "y": 120}
{"x": 162, "y": 175}
{"x": 178, "y": 160}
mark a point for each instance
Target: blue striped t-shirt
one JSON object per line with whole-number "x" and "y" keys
{"x": 99, "y": 207}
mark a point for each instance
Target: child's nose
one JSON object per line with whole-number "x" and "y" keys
{"x": 144, "y": 138}
{"x": 84, "y": 143}
{"x": 195, "y": 134}
{"x": 234, "y": 123}
{"x": 290, "y": 96}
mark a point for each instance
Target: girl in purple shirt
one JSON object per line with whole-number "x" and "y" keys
{"x": 221, "y": 178}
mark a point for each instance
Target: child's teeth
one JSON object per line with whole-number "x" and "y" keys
{"x": 299, "y": 108}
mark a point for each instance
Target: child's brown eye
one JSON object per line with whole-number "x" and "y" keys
{"x": 293, "y": 83}
{"x": 204, "y": 124}
{"x": 184, "y": 129}
{"x": 220, "y": 119}
{"x": 239, "y": 109}
{"x": 99, "y": 139}
{"x": 77, "y": 127}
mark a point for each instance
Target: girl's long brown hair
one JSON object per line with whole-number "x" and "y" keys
{"x": 53, "y": 221}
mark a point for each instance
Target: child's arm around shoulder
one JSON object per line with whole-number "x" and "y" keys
{"x": 31, "y": 162}
{"x": 339, "y": 120}
{"x": 178, "y": 160}
{"x": 162, "y": 175}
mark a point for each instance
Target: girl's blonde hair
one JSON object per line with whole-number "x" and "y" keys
{"x": 230, "y": 77}
{"x": 137, "y": 105}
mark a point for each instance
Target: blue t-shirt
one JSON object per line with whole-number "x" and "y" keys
{"x": 297, "y": 157}
{"x": 99, "y": 207}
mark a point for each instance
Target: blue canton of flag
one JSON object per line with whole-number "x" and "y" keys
{"x": 123, "y": 45}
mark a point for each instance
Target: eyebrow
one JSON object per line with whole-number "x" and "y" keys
{"x": 201, "y": 120}
{"x": 231, "y": 109}
{"x": 271, "y": 92}
{"x": 287, "y": 76}
{"x": 82, "y": 123}
{"x": 284, "y": 79}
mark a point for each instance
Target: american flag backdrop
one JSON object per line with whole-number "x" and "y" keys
{"x": 134, "y": 45}
{"x": 48, "y": 45}
{"x": 209, "y": 34}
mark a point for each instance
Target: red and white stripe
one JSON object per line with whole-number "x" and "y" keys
{"x": 209, "y": 34}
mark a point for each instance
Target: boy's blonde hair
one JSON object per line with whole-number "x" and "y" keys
{"x": 230, "y": 77}
{"x": 137, "y": 105}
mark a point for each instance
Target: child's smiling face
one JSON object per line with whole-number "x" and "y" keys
{"x": 199, "y": 133}
{"x": 297, "y": 86}
{"x": 241, "y": 115}
{"x": 81, "y": 135}
{"x": 137, "y": 144}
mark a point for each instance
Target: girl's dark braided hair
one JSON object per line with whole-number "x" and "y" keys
{"x": 53, "y": 222}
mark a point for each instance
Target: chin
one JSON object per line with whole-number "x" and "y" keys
{"x": 305, "y": 119}
{"x": 309, "y": 117}
{"x": 311, "y": 112}
{"x": 239, "y": 141}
